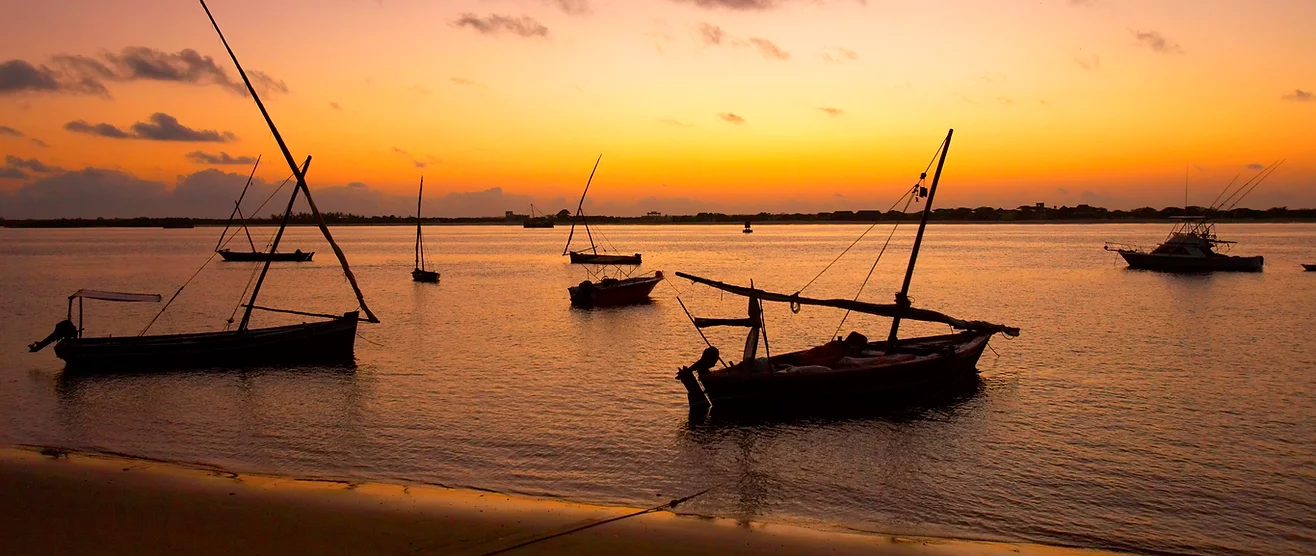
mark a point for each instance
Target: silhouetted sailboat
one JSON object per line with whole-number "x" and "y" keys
{"x": 541, "y": 221}
{"x": 840, "y": 368}
{"x": 249, "y": 256}
{"x": 747, "y": 230}
{"x": 592, "y": 256}
{"x": 332, "y": 340}
{"x": 1309, "y": 267}
{"x": 420, "y": 274}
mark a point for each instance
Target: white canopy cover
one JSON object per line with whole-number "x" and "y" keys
{"x": 117, "y": 296}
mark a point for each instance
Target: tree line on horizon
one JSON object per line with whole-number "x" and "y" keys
{"x": 1026, "y": 213}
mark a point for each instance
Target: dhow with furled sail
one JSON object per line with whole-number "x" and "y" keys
{"x": 853, "y": 367}
{"x": 330, "y": 341}
{"x": 420, "y": 273}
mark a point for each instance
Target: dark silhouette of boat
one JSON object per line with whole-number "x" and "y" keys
{"x": 177, "y": 225}
{"x": 1192, "y": 245}
{"x": 611, "y": 292}
{"x": 541, "y": 221}
{"x": 1309, "y": 267}
{"x": 593, "y": 256}
{"x": 419, "y": 273}
{"x": 852, "y": 368}
{"x": 747, "y": 230}
{"x": 249, "y": 256}
{"x": 254, "y": 255}
{"x": 332, "y": 340}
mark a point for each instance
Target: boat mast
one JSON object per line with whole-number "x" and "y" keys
{"x": 237, "y": 210}
{"x": 300, "y": 174}
{"x": 580, "y": 209}
{"x": 255, "y": 290}
{"x": 902, "y": 298}
{"x": 420, "y": 254}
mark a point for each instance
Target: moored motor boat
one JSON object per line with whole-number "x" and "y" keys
{"x": 610, "y": 292}
{"x": 1189, "y": 248}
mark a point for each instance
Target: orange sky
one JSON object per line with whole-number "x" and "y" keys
{"x": 1062, "y": 101}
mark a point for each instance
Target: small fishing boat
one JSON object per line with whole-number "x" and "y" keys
{"x": 747, "y": 229}
{"x": 419, "y": 273}
{"x": 330, "y": 340}
{"x": 254, "y": 255}
{"x": 593, "y": 256}
{"x": 611, "y": 292}
{"x": 1192, "y": 245}
{"x": 1309, "y": 267}
{"x": 177, "y": 225}
{"x": 842, "y": 369}
{"x": 541, "y": 221}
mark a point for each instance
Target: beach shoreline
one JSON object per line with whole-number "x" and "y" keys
{"x": 68, "y": 502}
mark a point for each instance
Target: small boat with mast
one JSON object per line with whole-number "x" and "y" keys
{"x": 1192, "y": 245}
{"x": 593, "y": 256}
{"x": 607, "y": 291}
{"x": 327, "y": 341}
{"x": 254, "y": 255}
{"x": 541, "y": 221}
{"x": 420, "y": 273}
{"x": 848, "y": 368}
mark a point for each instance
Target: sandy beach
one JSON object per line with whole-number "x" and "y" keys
{"x": 60, "y": 502}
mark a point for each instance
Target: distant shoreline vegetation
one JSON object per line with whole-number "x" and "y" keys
{"x": 980, "y": 215}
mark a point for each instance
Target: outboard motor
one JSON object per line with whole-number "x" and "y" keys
{"x": 65, "y": 329}
{"x": 694, "y": 392}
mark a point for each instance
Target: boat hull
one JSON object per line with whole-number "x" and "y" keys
{"x": 613, "y": 293}
{"x": 945, "y": 362}
{"x": 591, "y": 258}
{"x": 330, "y": 341}
{"x": 1179, "y": 263}
{"x": 428, "y": 276}
{"x": 1309, "y": 267}
{"x": 537, "y": 224}
{"x": 249, "y": 256}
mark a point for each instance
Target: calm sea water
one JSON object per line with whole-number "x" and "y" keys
{"x": 1137, "y": 411}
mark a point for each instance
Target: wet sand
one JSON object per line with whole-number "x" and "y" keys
{"x": 80, "y": 503}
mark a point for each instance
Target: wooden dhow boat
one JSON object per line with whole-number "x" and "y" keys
{"x": 330, "y": 340}
{"x": 541, "y": 221}
{"x": 420, "y": 273}
{"x": 849, "y": 368}
{"x": 593, "y": 256}
{"x": 254, "y": 255}
{"x": 612, "y": 292}
{"x": 1309, "y": 267}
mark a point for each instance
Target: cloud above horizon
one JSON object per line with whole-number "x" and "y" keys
{"x": 201, "y": 157}
{"x": 9, "y": 131}
{"x": 1158, "y": 43}
{"x": 493, "y": 24}
{"x": 78, "y": 74}
{"x": 730, "y": 118}
{"x": 713, "y": 35}
{"x": 1299, "y": 95}
{"x": 160, "y": 127}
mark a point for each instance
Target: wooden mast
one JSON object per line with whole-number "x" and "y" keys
{"x": 420, "y": 254}
{"x": 579, "y": 213}
{"x": 237, "y": 210}
{"x": 301, "y": 177}
{"x": 255, "y": 291}
{"x": 902, "y": 298}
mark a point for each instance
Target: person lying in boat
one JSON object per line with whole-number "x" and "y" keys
{"x": 829, "y": 353}
{"x": 65, "y": 329}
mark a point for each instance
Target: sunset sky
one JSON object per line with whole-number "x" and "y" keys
{"x": 730, "y": 105}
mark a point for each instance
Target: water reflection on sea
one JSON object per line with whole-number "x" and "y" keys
{"x": 1137, "y": 411}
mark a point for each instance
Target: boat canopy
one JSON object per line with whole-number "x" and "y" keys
{"x": 891, "y": 310}
{"x": 116, "y": 296}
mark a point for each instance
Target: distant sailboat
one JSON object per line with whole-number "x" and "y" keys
{"x": 747, "y": 230}
{"x": 541, "y": 221}
{"x": 240, "y": 256}
{"x": 592, "y": 256}
{"x": 419, "y": 274}
{"x": 328, "y": 341}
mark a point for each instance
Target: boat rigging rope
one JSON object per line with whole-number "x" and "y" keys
{"x": 875, "y": 261}
{"x": 175, "y": 296}
{"x": 256, "y": 212}
{"x": 912, "y": 194}
{"x": 669, "y": 505}
{"x": 692, "y": 322}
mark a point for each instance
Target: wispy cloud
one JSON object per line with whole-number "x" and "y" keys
{"x": 1255, "y": 166}
{"x": 674, "y": 123}
{"x": 464, "y": 81}
{"x": 141, "y": 63}
{"x": 838, "y": 55}
{"x": 38, "y": 143}
{"x": 1157, "y": 42}
{"x": 571, "y": 7}
{"x": 159, "y": 127}
{"x": 1089, "y": 63}
{"x": 1299, "y": 95}
{"x": 414, "y": 161}
{"x": 493, "y": 24}
{"x": 335, "y": 106}
{"x": 20, "y": 76}
{"x": 831, "y": 111}
{"x": 714, "y": 35}
{"x": 200, "y": 157}
{"x": 736, "y": 5}
{"x": 9, "y": 131}
{"x": 731, "y": 118}
{"x": 30, "y": 164}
